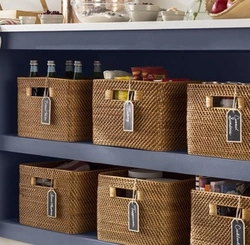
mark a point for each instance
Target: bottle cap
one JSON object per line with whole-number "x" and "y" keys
{"x": 77, "y": 63}
{"x": 51, "y": 62}
{"x": 69, "y": 62}
{"x": 166, "y": 180}
{"x": 144, "y": 173}
{"x": 97, "y": 62}
{"x": 33, "y": 62}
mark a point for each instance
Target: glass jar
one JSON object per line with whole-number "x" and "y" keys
{"x": 197, "y": 11}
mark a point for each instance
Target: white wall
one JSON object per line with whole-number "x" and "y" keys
{"x": 180, "y": 4}
{"x": 55, "y": 4}
{"x": 29, "y": 4}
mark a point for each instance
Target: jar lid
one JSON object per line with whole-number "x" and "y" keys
{"x": 163, "y": 180}
{"x": 144, "y": 173}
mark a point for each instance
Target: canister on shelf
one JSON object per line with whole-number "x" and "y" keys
{"x": 144, "y": 173}
{"x": 166, "y": 180}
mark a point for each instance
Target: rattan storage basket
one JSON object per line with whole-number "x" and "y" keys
{"x": 71, "y": 109}
{"x": 207, "y": 124}
{"x": 159, "y": 115}
{"x": 76, "y": 197}
{"x": 208, "y": 228}
{"x": 164, "y": 210}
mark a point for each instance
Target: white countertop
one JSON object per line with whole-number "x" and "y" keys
{"x": 155, "y": 25}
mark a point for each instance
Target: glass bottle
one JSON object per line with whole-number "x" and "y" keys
{"x": 77, "y": 70}
{"x": 34, "y": 73}
{"x": 97, "y": 70}
{"x": 34, "y": 68}
{"x": 197, "y": 11}
{"x": 51, "y": 71}
{"x": 69, "y": 69}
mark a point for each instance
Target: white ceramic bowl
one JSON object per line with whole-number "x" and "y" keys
{"x": 172, "y": 15}
{"x": 51, "y": 18}
{"x": 27, "y": 19}
{"x": 143, "y": 12}
{"x": 99, "y": 12}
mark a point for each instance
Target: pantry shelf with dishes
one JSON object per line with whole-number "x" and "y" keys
{"x": 191, "y": 51}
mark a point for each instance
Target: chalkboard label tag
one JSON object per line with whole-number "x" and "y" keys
{"x": 52, "y": 204}
{"x": 46, "y": 110}
{"x": 133, "y": 216}
{"x": 234, "y": 126}
{"x": 238, "y": 232}
{"x": 128, "y": 116}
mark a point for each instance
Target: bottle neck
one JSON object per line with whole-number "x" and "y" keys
{"x": 51, "y": 72}
{"x": 97, "y": 71}
{"x": 69, "y": 73}
{"x": 97, "y": 68}
{"x": 69, "y": 68}
{"x": 34, "y": 71}
{"x": 78, "y": 72}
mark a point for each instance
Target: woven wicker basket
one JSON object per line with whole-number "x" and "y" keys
{"x": 164, "y": 210}
{"x": 159, "y": 115}
{"x": 206, "y": 125}
{"x": 76, "y": 197}
{"x": 207, "y": 228}
{"x": 71, "y": 109}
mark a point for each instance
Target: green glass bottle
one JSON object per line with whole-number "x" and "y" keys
{"x": 97, "y": 70}
{"x": 34, "y": 68}
{"x": 69, "y": 69}
{"x": 51, "y": 71}
{"x": 77, "y": 70}
{"x": 34, "y": 73}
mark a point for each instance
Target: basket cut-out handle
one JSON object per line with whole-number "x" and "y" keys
{"x": 45, "y": 182}
{"x": 109, "y": 94}
{"x": 212, "y": 100}
{"x": 29, "y": 91}
{"x": 116, "y": 193}
{"x": 213, "y": 210}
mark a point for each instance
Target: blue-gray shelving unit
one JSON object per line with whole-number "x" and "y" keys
{"x": 206, "y": 54}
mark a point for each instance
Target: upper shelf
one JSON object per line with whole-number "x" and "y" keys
{"x": 179, "y": 162}
{"x": 161, "y": 35}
